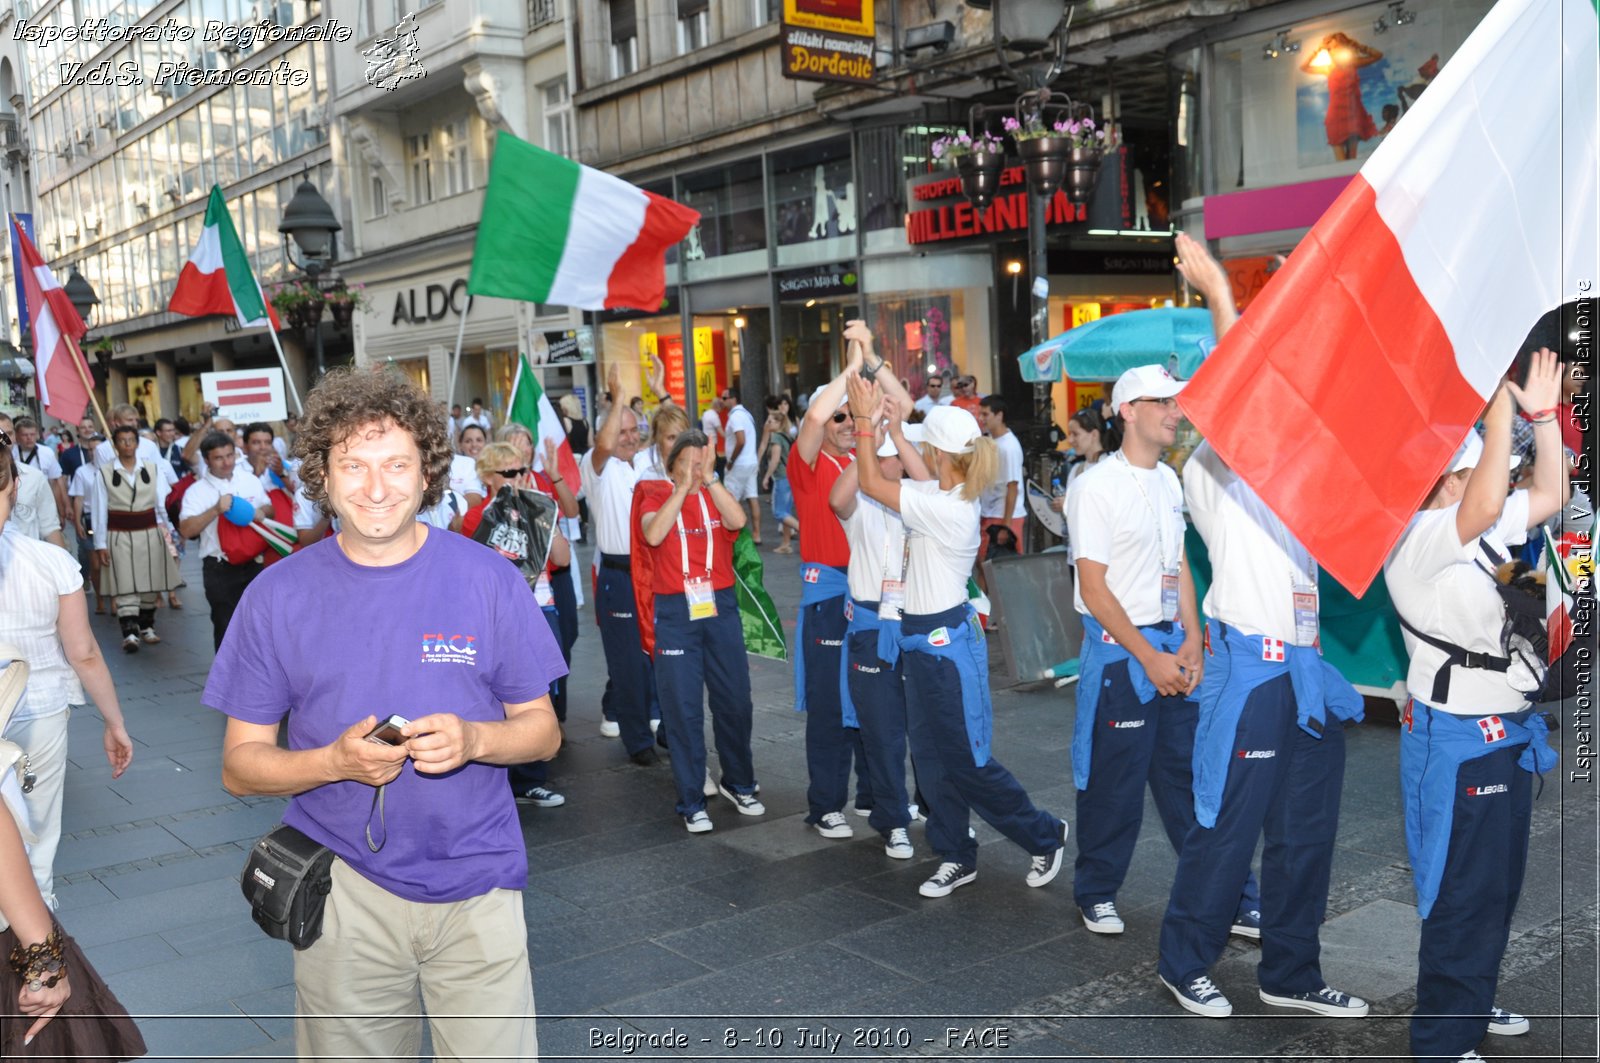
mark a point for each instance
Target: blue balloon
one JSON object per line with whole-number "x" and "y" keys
{"x": 241, "y": 512}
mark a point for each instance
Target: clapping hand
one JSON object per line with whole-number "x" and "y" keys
{"x": 865, "y": 396}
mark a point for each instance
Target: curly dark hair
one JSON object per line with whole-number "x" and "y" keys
{"x": 348, "y": 399}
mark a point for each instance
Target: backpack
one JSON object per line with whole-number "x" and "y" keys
{"x": 1524, "y": 641}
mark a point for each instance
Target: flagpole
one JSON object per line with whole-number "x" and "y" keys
{"x": 455, "y": 363}
{"x": 88, "y": 385}
{"x": 516, "y": 381}
{"x": 288, "y": 377}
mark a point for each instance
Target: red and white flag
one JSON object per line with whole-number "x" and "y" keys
{"x": 1345, "y": 389}
{"x": 56, "y": 329}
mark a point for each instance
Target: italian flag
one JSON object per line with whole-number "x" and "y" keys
{"x": 553, "y": 231}
{"x": 217, "y": 278}
{"x": 1344, "y": 390}
{"x": 1569, "y": 564}
{"x": 531, "y": 408}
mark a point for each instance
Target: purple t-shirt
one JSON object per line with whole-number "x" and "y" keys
{"x": 326, "y": 642}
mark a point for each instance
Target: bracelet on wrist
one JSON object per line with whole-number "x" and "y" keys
{"x": 1543, "y": 420}
{"x": 1534, "y": 415}
{"x": 42, "y": 965}
{"x": 866, "y": 435}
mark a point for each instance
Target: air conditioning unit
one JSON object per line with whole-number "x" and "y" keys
{"x": 86, "y": 137}
{"x": 107, "y": 120}
{"x": 162, "y": 90}
{"x": 172, "y": 189}
{"x": 136, "y": 194}
{"x": 228, "y": 48}
{"x": 64, "y": 150}
{"x": 312, "y": 119}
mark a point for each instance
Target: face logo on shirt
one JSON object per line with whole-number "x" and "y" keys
{"x": 1485, "y": 791}
{"x": 810, "y": 574}
{"x": 1271, "y": 649}
{"x": 440, "y": 648}
{"x": 1493, "y": 728}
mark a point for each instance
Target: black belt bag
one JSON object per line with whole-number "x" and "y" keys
{"x": 286, "y": 880}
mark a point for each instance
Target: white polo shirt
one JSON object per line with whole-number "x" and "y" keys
{"x": 610, "y": 495}
{"x": 42, "y": 458}
{"x": 877, "y": 539}
{"x": 1256, "y": 563}
{"x": 35, "y": 513}
{"x": 1129, "y": 519}
{"x": 464, "y": 475}
{"x": 207, "y": 491}
{"x": 739, "y": 420}
{"x": 149, "y": 450}
{"x": 1436, "y": 583}
{"x": 944, "y": 543}
{"x": 33, "y": 578}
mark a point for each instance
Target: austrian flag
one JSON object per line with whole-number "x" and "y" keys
{"x": 56, "y": 326}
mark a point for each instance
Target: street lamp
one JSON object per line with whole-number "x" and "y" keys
{"x": 81, "y": 294}
{"x": 310, "y": 221}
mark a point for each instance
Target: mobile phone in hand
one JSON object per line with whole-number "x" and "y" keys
{"x": 388, "y": 732}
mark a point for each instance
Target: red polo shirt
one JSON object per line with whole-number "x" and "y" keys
{"x": 666, "y": 560}
{"x": 822, "y": 538}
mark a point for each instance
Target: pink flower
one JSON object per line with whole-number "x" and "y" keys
{"x": 1011, "y": 125}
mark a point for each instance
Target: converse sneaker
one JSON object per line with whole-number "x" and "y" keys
{"x": 899, "y": 844}
{"x": 609, "y": 729}
{"x": 945, "y": 880}
{"x": 1102, "y": 918}
{"x": 130, "y": 643}
{"x": 1201, "y": 997}
{"x": 745, "y": 803}
{"x": 697, "y": 822}
{"x": 1507, "y": 1023}
{"x": 148, "y": 636}
{"x": 1045, "y": 867}
{"x": 538, "y": 795}
{"x": 834, "y": 825}
{"x": 1247, "y": 924}
{"x": 863, "y": 812}
{"x": 1324, "y": 1001}
{"x": 709, "y": 787}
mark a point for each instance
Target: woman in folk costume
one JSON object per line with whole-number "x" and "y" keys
{"x": 132, "y": 536}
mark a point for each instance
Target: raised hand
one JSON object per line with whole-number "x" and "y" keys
{"x": 865, "y": 396}
{"x": 1203, "y": 272}
{"x": 1543, "y": 390}
{"x": 550, "y": 465}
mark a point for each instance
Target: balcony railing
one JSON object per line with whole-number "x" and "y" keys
{"x": 543, "y": 12}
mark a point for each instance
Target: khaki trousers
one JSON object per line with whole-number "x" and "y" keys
{"x": 383, "y": 961}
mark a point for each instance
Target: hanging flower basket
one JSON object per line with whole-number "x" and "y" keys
{"x": 1082, "y": 173}
{"x": 1046, "y": 160}
{"x": 980, "y": 176}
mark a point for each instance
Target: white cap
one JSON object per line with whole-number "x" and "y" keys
{"x": 844, "y": 398}
{"x": 1470, "y": 452}
{"x": 913, "y": 434}
{"x": 950, "y": 429}
{"x": 1143, "y": 382}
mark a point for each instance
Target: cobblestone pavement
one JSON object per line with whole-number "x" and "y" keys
{"x": 763, "y": 940}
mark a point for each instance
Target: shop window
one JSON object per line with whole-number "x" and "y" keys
{"x": 732, "y": 211}
{"x": 814, "y": 201}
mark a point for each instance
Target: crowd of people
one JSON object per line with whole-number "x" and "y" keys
{"x": 1225, "y": 708}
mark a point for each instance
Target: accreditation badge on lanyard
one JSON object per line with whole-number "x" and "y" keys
{"x": 697, "y": 590}
{"x": 542, "y": 594}
{"x": 1305, "y": 614}
{"x": 892, "y": 595}
{"x": 1169, "y": 594}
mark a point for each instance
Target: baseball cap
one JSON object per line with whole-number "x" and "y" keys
{"x": 1470, "y": 452}
{"x": 844, "y": 398}
{"x": 913, "y": 434}
{"x": 950, "y": 429}
{"x": 1144, "y": 382}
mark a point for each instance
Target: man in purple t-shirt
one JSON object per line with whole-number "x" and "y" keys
{"x": 415, "y": 622}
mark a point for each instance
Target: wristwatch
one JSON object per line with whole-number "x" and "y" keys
{"x": 873, "y": 370}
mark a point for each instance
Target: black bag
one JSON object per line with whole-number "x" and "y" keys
{"x": 286, "y": 880}
{"x": 520, "y": 525}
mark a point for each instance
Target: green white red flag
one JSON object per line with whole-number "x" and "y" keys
{"x": 531, "y": 408}
{"x": 1344, "y": 390}
{"x": 217, "y": 279}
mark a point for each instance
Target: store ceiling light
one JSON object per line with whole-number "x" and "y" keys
{"x": 1013, "y": 267}
{"x": 1279, "y": 45}
{"x": 738, "y": 322}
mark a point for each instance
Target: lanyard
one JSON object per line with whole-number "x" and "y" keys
{"x": 836, "y": 466}
{"x": 1310, "y": 572}
{"x": 683, "y": 536}
{"x": 1161, "y": 534}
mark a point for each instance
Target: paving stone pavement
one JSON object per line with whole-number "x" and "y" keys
{"x": 762, "y": 940}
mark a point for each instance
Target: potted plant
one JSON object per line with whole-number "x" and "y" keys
{"x": 299, "y": 301}
{"x": 1086, "y": 144}
{"x": 344, "y": 300}
{"x": 979, "y": 159}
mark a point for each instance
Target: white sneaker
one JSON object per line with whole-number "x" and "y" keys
{"x": 609, "y": 729}
{"x": 1325, "y": 1001}
{"x": 834, "y": 825}
{"x": 899, "y": 844}
{"x": 1042, "y": 871}
{"x": 697, "y": 823}
{"x": 148, "y": 636}
{"x": 1505, "y": 1023}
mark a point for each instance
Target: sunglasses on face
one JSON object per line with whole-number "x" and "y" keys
{"x": 841, "y": 417}
{"x": 512, "y": 474}
{"x": 1167, "y": 403}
